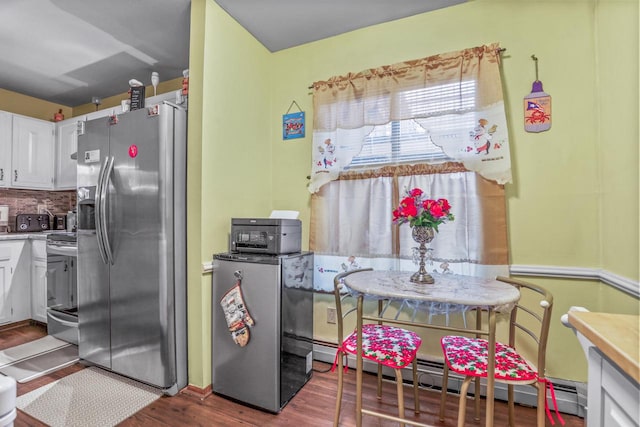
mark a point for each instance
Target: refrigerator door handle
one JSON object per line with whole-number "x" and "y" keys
{"x": 98, "y": 211}
{"x": 103, "y": 213}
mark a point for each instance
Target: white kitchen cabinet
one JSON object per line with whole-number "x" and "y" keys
{"x": 5, "y": 285}
{"x": 66, "y": 145}
{"x": 39, "y": 280}
{"x": 32, "y": 156}
{"x": 613, "y": 396}
{"x": 15, "y": 272}
{"x": 5, "y": 148}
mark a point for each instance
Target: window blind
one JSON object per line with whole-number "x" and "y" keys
{"x": 407, "y": 141}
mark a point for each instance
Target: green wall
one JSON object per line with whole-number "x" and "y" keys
{"x": 616, "y": 34}
{"x": 566, "y": 180}
{"x": 229, "y": 158}
{"x": 29, "y": 106}
{"x": 198, "y": 340}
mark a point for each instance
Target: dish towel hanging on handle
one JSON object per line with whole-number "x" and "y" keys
{"x": 236, "y": 314}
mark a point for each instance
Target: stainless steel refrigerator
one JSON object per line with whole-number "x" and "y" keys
{"x": 132, "y": 245}
{"x": 276, "y": 362}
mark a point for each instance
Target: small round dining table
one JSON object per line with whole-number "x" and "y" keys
{"x": 459, "y": 292}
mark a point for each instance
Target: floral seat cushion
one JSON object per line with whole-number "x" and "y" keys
{"x": 387, "y": 345}
{"x": 469, "y": 356}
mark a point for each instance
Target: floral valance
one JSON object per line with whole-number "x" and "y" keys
{"x": 469, "y": 125}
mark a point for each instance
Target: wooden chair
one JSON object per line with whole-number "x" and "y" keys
{"x": 468, "y": 356}
{"x": 384, "y": 344}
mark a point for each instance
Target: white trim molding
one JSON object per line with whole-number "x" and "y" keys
{"x": 621, "y": 283}
{"x": 208, "y": 267}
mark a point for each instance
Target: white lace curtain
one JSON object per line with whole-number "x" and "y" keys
{"x": 351, "y": 223}
{"x": 468, "y": 122}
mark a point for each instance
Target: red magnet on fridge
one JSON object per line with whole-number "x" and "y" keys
{"x": 133, "y": 150}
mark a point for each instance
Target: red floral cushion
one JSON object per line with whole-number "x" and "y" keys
{"x": 387, "y": 345}
{"x": 469, "y": 356}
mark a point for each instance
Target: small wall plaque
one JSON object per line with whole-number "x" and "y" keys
{"x": 293, "y": 125}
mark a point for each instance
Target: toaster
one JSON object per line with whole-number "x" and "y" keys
{"x": 32, "y": 222}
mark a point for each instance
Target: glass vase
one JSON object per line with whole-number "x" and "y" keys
{"x": 422, "y": 235}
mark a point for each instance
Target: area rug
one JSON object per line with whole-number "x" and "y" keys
{"x": 20, "y": 352}
{"x": 90, "y": 397}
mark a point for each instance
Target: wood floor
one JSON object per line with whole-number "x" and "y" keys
{"x": 312, "y": 406}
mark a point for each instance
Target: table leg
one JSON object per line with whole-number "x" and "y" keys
{"x": 359, "y": 363}
{"x": 491, "y": 368}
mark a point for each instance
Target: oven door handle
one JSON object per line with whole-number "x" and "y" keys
{"x": 61, "y": 321}
{"x": 65, "y": 250}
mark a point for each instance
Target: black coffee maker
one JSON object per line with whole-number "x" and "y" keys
{"x": 60, "y": 221}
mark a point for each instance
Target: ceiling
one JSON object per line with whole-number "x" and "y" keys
{"x": 281, "y": 24}
{"x": 68, "y": 51}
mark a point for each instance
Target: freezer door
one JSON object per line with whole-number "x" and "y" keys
{"x": 140, "y": 231}
{"x": 93, "y": 273}
{"x": 251, "y": 373}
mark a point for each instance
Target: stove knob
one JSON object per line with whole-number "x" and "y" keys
{"x": 23, "y": 226}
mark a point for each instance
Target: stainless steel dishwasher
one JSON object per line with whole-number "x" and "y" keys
{"x": 276, "y": 360}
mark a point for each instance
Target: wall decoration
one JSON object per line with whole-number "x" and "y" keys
{"x": 537, "y": 107}
{"x": 293, "y": 125}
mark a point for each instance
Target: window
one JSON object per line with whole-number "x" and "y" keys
{"x": 397, "y": 142}
{"x": 437, "y": 124}
{"x": 408, "y": 141}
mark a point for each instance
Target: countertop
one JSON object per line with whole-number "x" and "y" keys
{"x": 615, "y": 335}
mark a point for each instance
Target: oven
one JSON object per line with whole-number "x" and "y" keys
{"x": 62, "y": 286}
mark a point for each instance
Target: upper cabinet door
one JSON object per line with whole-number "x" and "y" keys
{"x": 32, "y": 153}
{"x": 5, "y": 148}
{"x": 66, "y": 145}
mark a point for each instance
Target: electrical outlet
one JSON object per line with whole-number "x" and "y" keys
{"x": 331, "y": 315}
{"x": 42, "y": 209}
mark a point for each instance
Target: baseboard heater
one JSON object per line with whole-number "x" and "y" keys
{"x": 570, "y": 395}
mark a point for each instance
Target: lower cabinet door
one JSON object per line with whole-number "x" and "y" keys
{"x": 613, "y": 396}
{"x": 39, "y": 291}
{"x": 5, "y": 281}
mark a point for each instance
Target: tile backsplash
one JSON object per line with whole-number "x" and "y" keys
{"x": 27, "y": 201}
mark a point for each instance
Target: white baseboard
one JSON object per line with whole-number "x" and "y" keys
{"x": 571, "y": 396}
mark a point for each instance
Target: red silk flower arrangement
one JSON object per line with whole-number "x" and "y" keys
{"x": 419, "y": 211}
